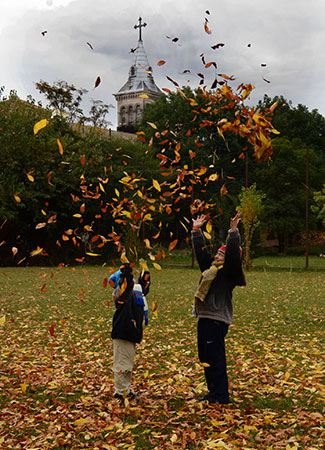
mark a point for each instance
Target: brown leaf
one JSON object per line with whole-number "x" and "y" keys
{"x": 97, "y": 82}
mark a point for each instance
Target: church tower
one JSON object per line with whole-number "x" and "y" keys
{"x": 139, "y": 90}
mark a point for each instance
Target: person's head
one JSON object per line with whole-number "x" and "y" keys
{"x": 220, "y": 255}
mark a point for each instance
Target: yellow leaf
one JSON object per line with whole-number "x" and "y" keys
{"x": 140, "y": 194}
{"x": 143, "y": 96}
{"x": 36, "y": 252}
{"x": 287, "y": 376}
{"x": 156, "y": 266}
{"x": 39, "y": 125}
{"x": 117, "y": 192}
{"x": 209, "y": 227}
{"x": 92, "y": 254}
{"x": 207, "y": 235}
{"x": 23, "y": 387}
{"x": 80, "y": 421}
{"x": 156, "y": 185}
{"x": 274, "y": 131}
{"x": 77, "y": 215}
{"x": 147, "y": 242}
{"x": 43, "y": 212}
{"x": 174, "y": 438}
{"x": 101, "y": 187}
{"x": 152, "y": 125}
{"x": 30, "y": 177}
{"x": 2, "y": 321}
{"x": 17, "y": 198}
{"x": 60, "y": 146}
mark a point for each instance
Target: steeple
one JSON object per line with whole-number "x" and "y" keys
{"x": 140, "y": 83}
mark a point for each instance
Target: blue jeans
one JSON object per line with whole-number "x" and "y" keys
{"x": 211, "y": 346}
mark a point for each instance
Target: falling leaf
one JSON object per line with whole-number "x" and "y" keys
{"x": 156, "y": 266}
{"x": 60, "y": 146}
{"x": 43, "y": 33}
{"x": 88, "y": 43}
{"x": 39, "y": 125}
{"x": 156, "y": 185}
{"x": 267, "y": 81}
{"x": 217, "y": 46}
{"x": 14, "y": 251}
{"x": 83, "y": 160}
{"x": 36, "y": 252}
{"x": 92, "y": 254}
{"x": 144, "y": 96}
{"x": 263, "y": 65}
{"x": 206, "y": 28}
{"x": 97, "y": 82}
{"x": 161, "y": 62}
{"x": 152, "y": 125}
{"x": 30, "y": 176}
{"x": 172, "y": 245}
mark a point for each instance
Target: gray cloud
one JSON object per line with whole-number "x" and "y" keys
{"x": 287, "y": 36}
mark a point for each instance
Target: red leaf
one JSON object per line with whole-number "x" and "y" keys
{"x": 51, "y": 329}
{"x": 105, "y": 282}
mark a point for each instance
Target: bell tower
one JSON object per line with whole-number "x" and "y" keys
{"x": 139, "y": 90}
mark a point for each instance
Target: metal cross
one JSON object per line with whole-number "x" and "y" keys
{"x": 140, "y": 26}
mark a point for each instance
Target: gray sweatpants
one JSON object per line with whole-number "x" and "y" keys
{"x": 123, "y": 362}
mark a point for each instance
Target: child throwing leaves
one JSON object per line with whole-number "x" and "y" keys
{"x": 131, "y": 311}
{"x": 213, "y": 304}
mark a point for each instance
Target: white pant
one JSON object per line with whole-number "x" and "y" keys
{"x": 123, "y": 362}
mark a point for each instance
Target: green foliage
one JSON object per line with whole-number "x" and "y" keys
{"x": 319, "y": 207}
{"x": 251, "y": 206}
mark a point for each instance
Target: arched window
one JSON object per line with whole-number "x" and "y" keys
{"x": 123, "y": 115}
{"x": 138, "y": 114}
{"x": 130, "y": 115}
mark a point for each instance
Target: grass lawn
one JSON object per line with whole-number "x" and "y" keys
{"x": 56, "y": 358}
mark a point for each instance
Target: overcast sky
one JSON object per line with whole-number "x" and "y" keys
{"x": 288, "y": 36}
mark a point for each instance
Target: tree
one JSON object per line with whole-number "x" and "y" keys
{"x": 251, "y": 206}
{"x": 319, "y": 206}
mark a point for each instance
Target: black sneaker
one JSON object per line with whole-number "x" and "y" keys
{"x": 131, "y": 395}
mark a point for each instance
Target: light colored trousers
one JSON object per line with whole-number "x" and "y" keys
{"x": 123, "y": 362}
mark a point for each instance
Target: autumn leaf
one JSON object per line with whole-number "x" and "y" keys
{"x": 39, "y": 125}
{"x": 143, "y": 96}
{"x": 172, "y": 245}
{"x": 105, "y": 282}
{"x": 152, "y": 125}
{"x": 156, "y": 185}
{"x": 14, "y": 251}
{"x": 30, "y": 176}
{"x": 16, "y": 197}
{"x": 51, "y": 329}
{"x": 2, "y": 321}
{"x": 156, "y": 266}
{"x": 60, "y": 146}
{"x": 161, "y": 62}
{"x": 97, "y": 82}
{"x": 83, "y": 160}
{"x": 206, "y": 28}
{"x": 92, "y": 254}
{"x": 36, "y": 252}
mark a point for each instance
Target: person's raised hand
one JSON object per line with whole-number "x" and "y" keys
{"x": 199, "y": 221}
{"x": 234, "y": 221}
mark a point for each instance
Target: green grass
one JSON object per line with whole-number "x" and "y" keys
{"x": 274, "y": 350}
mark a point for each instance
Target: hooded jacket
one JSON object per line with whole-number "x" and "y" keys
{"x": 217, "y": 304}
{"x": 128, "y": 316}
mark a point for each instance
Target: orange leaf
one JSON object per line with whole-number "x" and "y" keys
{"x": 60, "y": 146}
{"x": 83, "y": 160}
{"x": 172, "y": 245}
{"x": 161, "y": 62}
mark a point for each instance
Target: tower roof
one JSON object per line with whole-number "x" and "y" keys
{"x": 140, "y": 73}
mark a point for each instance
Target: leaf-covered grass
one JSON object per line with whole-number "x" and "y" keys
{"x": 56, "y": 380}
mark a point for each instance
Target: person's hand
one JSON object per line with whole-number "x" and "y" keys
{"x": 234, "y": 221}
{"x": 199, "y": 221}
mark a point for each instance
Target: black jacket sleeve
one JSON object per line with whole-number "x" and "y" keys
{"x": 202, "y": 254}
{"x": 232, "y": 265}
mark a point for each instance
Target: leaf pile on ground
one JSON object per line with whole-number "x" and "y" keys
{"x": 56, "y": 381}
